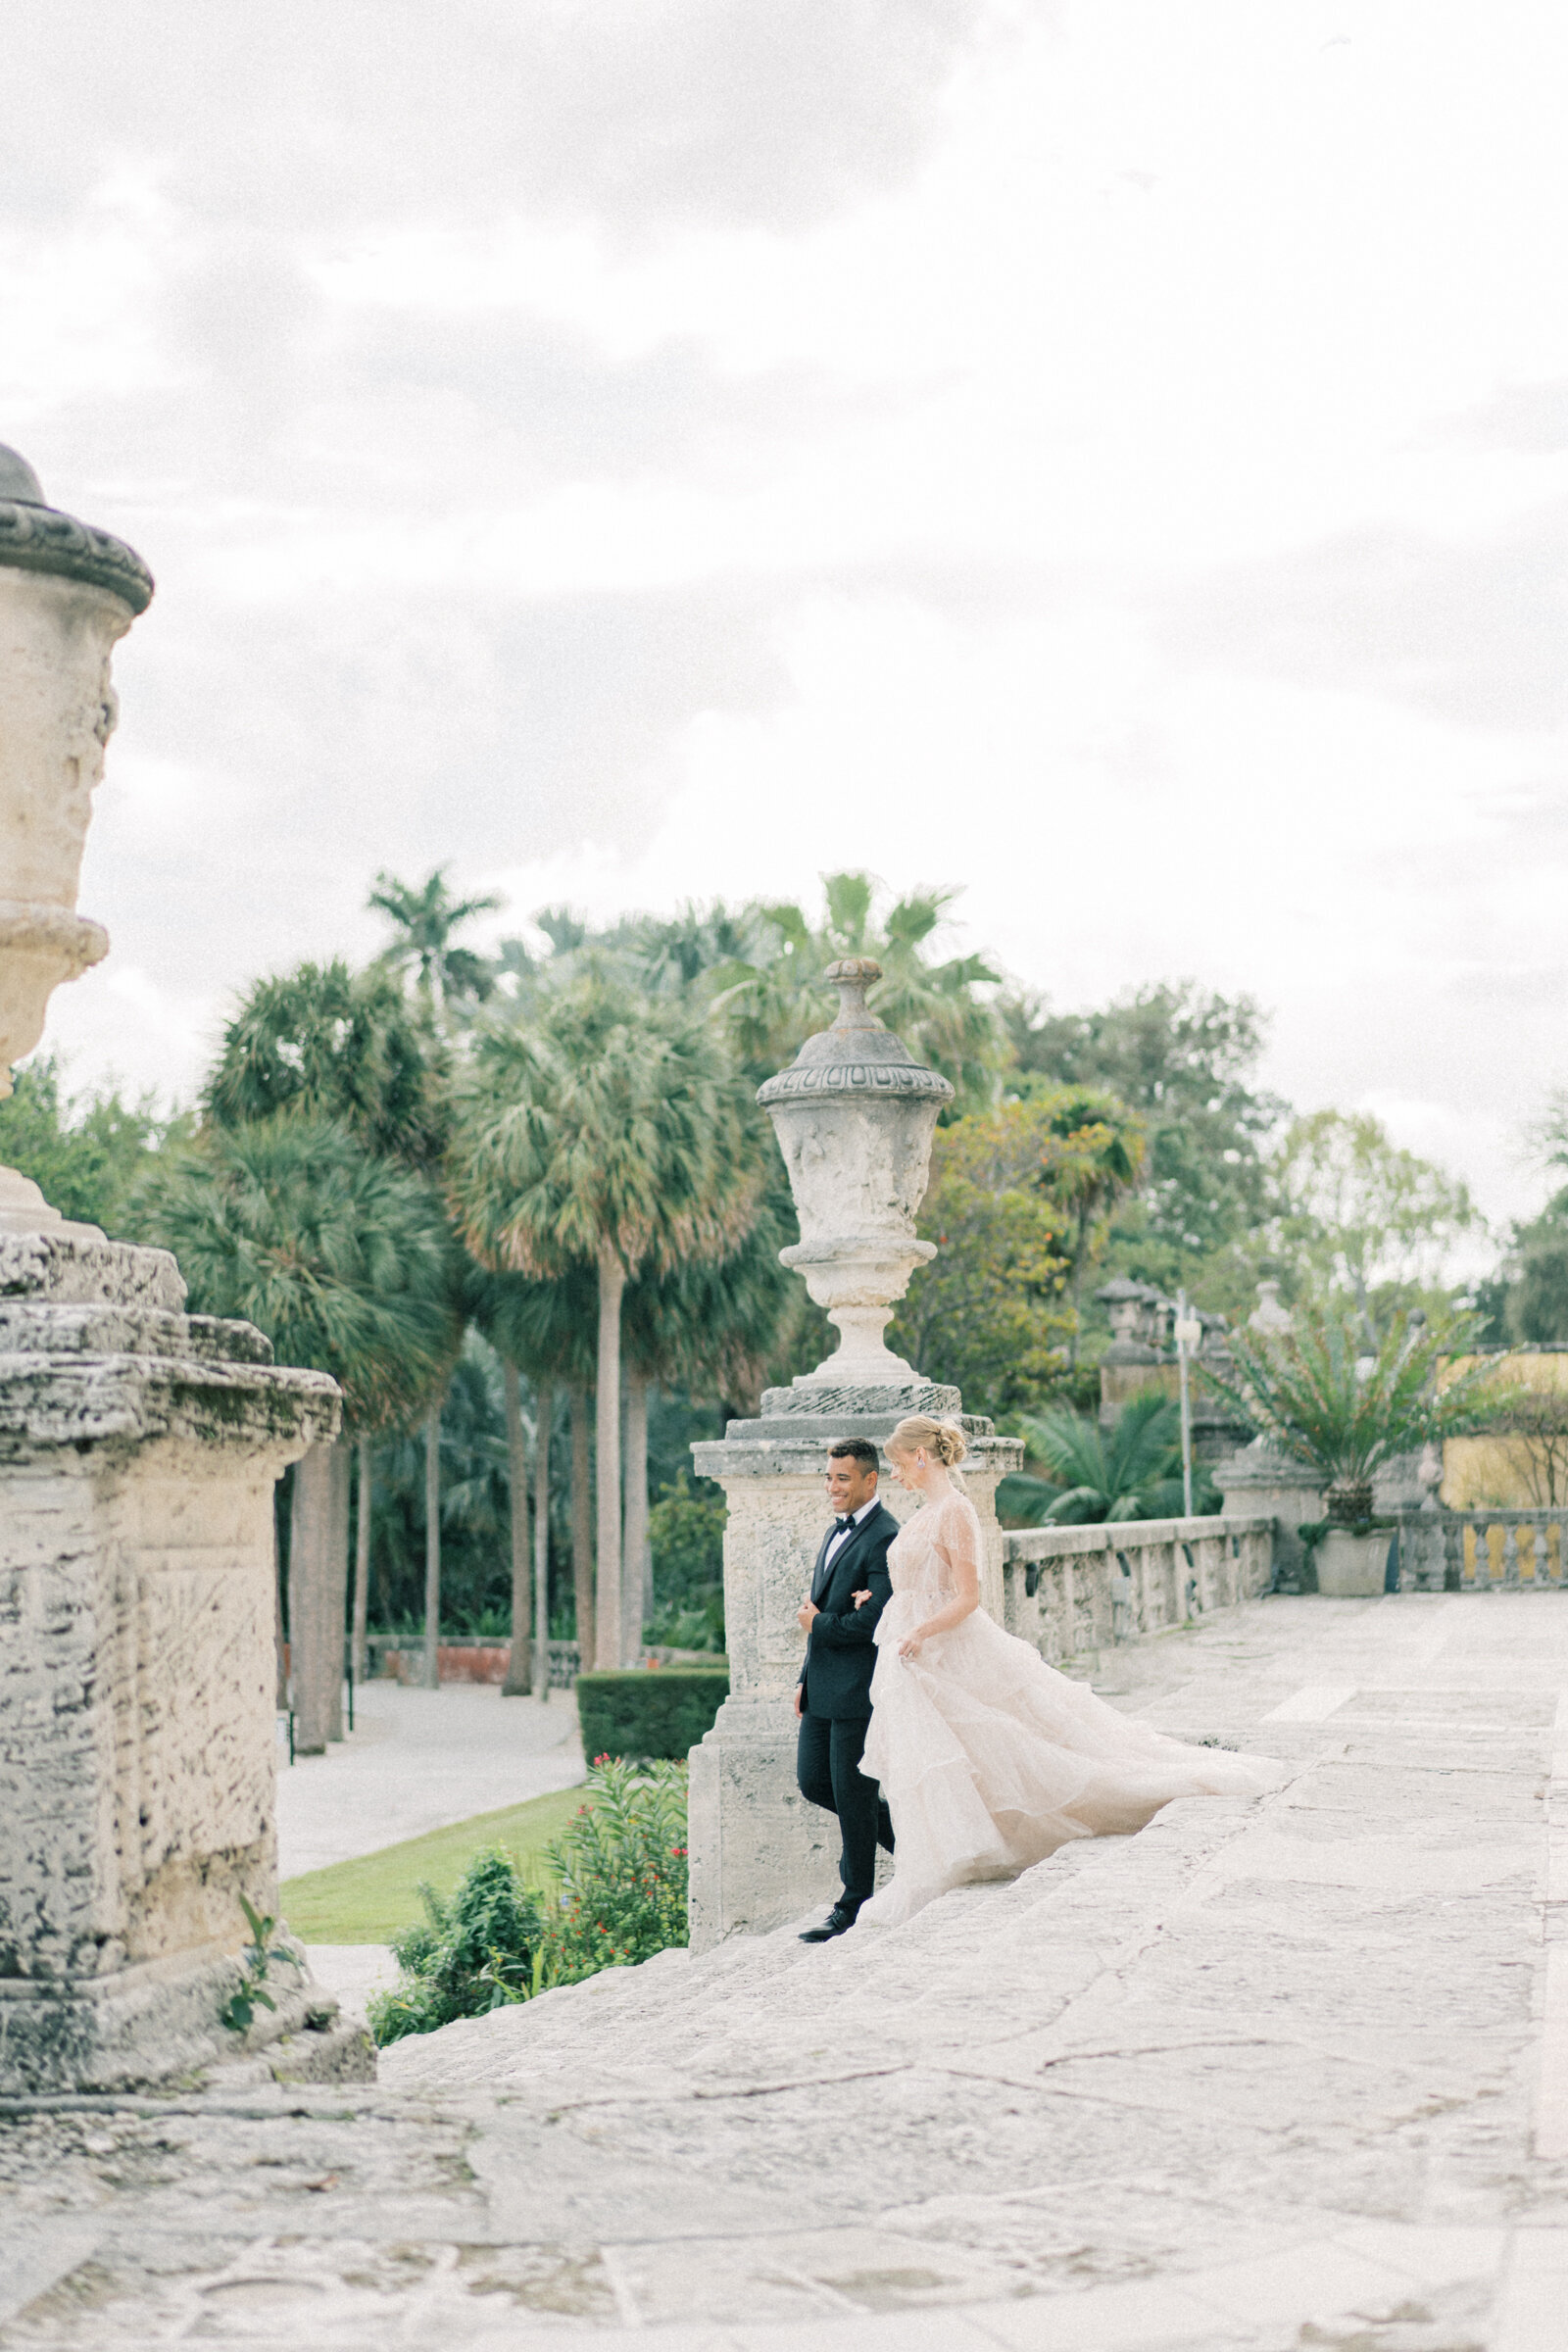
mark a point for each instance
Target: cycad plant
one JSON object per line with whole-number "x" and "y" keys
{"x": 1316, "y": 1395}
{"x": 1131, "y": 1471}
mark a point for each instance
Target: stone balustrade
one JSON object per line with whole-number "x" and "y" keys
{"x": 1483, "y": 1551}
{"x": 1069, "y": 1590}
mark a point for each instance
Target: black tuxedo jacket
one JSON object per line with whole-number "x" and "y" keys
{"x": 840, "y": 1654}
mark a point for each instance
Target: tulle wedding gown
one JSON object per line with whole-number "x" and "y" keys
{"x": 987, "y": 1757}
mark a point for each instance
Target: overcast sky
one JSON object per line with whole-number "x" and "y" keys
{"x": 1108, "y": 455}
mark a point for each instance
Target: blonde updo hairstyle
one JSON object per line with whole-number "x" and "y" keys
{"x": 943, "y": 1440}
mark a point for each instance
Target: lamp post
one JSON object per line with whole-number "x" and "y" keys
{"x": 1189, "y": 1334}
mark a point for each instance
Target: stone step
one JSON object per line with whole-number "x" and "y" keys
{"x": 758, "y": 2001}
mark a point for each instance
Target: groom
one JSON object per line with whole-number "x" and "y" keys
{"x": 834, "y": 1698}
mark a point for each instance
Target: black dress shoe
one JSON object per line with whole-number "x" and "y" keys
{"x": 838, "y": 1921}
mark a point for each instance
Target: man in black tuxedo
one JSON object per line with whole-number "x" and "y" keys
{"x": 834, "y": 1698}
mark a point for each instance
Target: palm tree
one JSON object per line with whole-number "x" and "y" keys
{"x": 1100, "y": 1159}
{"x": 424, "y": 919}
{"x": 1316, "y": 1393}
{"x": 1133, "y": 1471}
{"x": 777, "y": 997}
{"x": 706, "y": 1327}
{"x": 335, "y": 1044}
{"x": 325, "y": 1042}
{"x": 538, "y": 1329}
{"x": 345, "y": 1261}
{"x": 612, "y": 1134}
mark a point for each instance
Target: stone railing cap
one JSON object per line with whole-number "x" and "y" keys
{"x": 35, "y": 536}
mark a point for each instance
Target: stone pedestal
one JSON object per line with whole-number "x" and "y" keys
{"x": 759, "y": 1854}
{"x": 1259, "y": 1481}
{"x": 138, "y": 1451}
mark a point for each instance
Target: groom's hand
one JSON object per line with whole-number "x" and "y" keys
{"x": 808, "y": 1610}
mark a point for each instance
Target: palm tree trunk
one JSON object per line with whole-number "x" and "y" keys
{"x": 544, "y": 1417}
{"x": 318, "y": 1580}
{"x": 519, "y": 1664}
{"x": 582, "y": 1530}
{"x": 362, "y": 1562}
{"x": 607, "y": 1618}
{"x": 633, "y": 1583}
{"x": 432, "y": 1676}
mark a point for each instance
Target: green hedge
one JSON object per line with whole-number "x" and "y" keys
{"x": 649, "y": 1710}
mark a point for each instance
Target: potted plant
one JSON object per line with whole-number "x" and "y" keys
{"x": 1321, "y": 1399}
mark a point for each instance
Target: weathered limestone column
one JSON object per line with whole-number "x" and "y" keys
{"x": 138, "y": 1451}
{"x": 855, "y": 1116}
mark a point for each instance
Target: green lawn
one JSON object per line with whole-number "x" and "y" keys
{"x": 371, "y": 1899}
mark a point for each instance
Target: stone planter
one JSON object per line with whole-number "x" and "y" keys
{"x": 1352, "y": 1567}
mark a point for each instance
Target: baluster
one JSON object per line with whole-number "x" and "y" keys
{"x": 1454, "y": 1535}
{"x": 1510, "y": 1554}
{"x": 1537, "y": 1551}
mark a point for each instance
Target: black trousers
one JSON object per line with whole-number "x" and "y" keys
{"x": 827, "y": 1766}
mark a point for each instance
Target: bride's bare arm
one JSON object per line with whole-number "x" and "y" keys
{"x": 955, "y": 1545}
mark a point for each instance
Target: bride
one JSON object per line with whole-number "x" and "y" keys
{"x": 987, "y": 1757}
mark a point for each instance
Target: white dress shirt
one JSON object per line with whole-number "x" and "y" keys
{"x": 841, "y": 1535}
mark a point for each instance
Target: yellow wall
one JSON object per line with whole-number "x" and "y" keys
{"x": 1510, "y": 1473}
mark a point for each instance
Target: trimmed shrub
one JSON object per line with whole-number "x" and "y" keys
{"x": 649, "y": 1711}
{"x": 621, "y": 1868}
{"x": 470, "y": 1953}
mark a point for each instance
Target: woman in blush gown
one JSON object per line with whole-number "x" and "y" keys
{"x": 987, "y": 1757}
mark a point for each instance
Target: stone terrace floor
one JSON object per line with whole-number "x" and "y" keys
{"x": 1277, "y": 2074}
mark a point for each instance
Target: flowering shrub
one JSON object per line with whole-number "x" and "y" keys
{"x": 620, "y": 1870}
{"x": 470, "y": 1953}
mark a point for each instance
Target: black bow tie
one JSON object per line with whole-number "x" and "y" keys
{"x": 842, "y": 1527}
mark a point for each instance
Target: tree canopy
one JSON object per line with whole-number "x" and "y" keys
{"x": 1010, "y": 1205}
{"x": 1182, "y": 1059}
{"x": 331, "y": 1043}
{"x": 88, "y": 1153}
{"x": 342, "y": 1259}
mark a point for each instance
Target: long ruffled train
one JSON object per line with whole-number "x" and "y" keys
{"x": 990, "y": 1760}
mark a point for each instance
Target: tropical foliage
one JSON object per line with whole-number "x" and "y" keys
{"x": 776, "y": 996}
{"x": 88, "y": 1153}
{"x": 343, "y": 1261}
{"x": 1325, "y": 1402}
{"x": 623, "y": 1206}
{"x": 1130, "y": 1471}
{"x": 448, "y": 979}
{"x": 1017, "y": 1206}
{"x": 608, "y": 1132}
{"x": 1182, "y": 1059}
{"x": 329, "y": 1043}
{"x": 620, "y": 1872}
{"x": 473, "y": 1951}
{"x": 686, "y": 1528}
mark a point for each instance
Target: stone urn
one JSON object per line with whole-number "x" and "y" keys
{"x": 67, "y": 593}
{"x": 1352, "y": 1566}
{"x": 855, "y": 1114}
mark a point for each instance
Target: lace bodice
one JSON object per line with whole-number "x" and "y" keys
{"x": 928, "y": 1548}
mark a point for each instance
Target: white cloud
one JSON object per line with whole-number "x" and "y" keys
{"x": 1107, "y": 456}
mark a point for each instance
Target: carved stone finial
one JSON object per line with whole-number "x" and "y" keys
{"x": 851, "y": 977}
